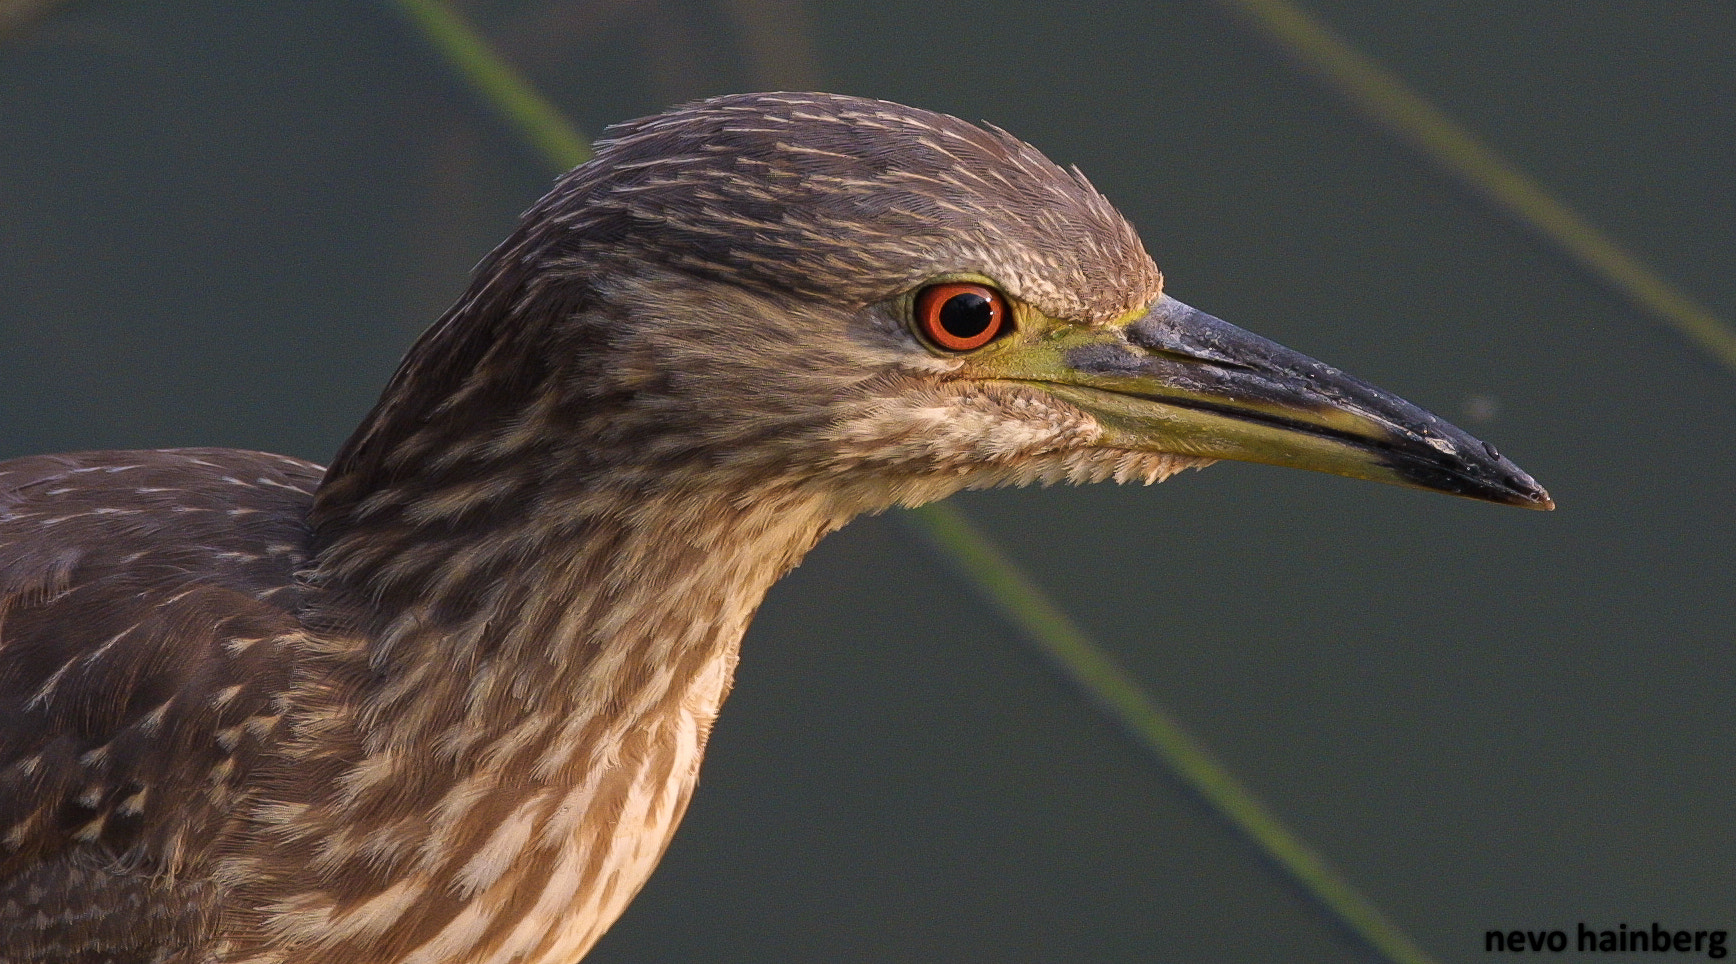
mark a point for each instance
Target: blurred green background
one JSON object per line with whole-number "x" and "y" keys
{"x": 224, "y": 222}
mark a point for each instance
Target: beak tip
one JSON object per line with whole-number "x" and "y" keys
{"x": 1520, "y": 489}
{"x": 1463, "y": 471}
{"x": 1540, "y": 501}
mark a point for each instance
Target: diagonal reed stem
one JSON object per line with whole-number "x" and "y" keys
{"x": 1096, "y": 673}
{"x": 1384, "y": 98}
{"x": 510, "y": 94}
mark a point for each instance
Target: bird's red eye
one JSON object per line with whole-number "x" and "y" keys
{"x": 961, "y": 316}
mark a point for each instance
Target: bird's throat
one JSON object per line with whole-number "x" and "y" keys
{"x": 511, "y": 764}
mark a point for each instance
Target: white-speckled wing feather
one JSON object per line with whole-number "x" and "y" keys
{"x": 143, "y": 597}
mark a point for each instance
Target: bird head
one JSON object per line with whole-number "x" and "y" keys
{"x": 871, "y": 301}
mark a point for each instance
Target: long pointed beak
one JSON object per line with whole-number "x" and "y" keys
{"x": 1180, "y": 380}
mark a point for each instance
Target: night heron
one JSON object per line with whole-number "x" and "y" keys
{"x": 446, "y": 700}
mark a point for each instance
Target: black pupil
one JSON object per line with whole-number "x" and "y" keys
{"x": 966, "y": 315}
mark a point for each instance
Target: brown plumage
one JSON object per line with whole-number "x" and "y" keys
{"x": 446, "y": 701}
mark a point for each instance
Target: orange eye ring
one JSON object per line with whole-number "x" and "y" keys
{"x": 960, "y": 316}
